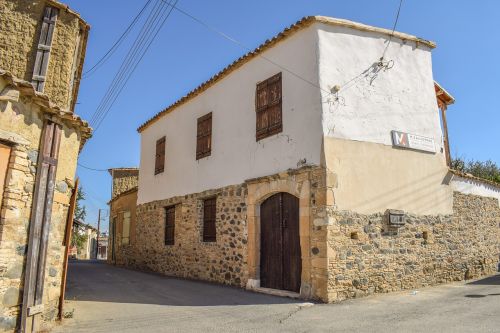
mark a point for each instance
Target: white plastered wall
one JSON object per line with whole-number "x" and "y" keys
{"x": 475, "y": 187}
{"x": 236, "y": 156}
{"x": 367, "y": 173}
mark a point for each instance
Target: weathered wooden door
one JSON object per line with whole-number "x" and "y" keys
{"x": 280, "y": 256}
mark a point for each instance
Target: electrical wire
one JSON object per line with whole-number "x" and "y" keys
{"x": 158, "y": 29}
{"x": 92, "y": 169}
{"x": 231, "y": 39}
{"x": 156, "y": 21}
{"x": 393, "y": 29}
{"x": 126, "y": 62}
{"x": 115, "y": 46}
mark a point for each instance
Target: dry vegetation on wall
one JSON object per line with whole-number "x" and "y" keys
{"x": 487, "y": 170}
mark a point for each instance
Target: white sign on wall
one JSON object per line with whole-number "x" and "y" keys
{"x": 413, "y": 141}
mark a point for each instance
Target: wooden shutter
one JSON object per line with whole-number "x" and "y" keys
{"x": 268, "y": 107}
{"x": 204, "y": 136}
{"x": 44, "y": 45}
{"x": 209, "y": 229}
{"x": 40, "y": 222}
{"x": 126, "y": 228}
{"x": 160, "y": 156}
{"x": 170, "y": 225}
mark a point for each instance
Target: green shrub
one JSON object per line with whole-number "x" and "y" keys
{"x": 487, "y": 170}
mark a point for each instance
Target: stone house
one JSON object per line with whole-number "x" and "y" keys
{"x": 42, "y": 48}
{"x": 315, "y": 166}
{"x": 122, "y": 217}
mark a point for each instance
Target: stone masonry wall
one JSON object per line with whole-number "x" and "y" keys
{"x": 19, "y": 33}
{"x": 308, "y": 184}
{"x": 223, "y": 261}
{"x": 124, "y": 180}
{"x": 127, "y": 201}
{"x": 366, "y": 256}
{"x": 20, "y": 128}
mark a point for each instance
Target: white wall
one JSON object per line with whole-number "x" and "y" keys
{"x": 401, "y": 98}
{"x": 369, "y": 174}
{"x": 236, "y": 156}
{"x": 475, "y": 187}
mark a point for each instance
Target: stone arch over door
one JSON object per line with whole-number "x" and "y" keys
{"x": 260, "y": 190}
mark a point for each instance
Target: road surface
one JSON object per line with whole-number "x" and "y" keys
{"x": 111, "y": 299}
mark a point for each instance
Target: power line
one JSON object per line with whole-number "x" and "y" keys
{"x": 393, "y": 28}
{"x": 115, "y": 46}
{"x": 146, "y": 27}
{"x": 149, "y": 32}
{"x": 231, "y": 39}
{"x": 92, "y": 169}
{"x": 163, "y": 19}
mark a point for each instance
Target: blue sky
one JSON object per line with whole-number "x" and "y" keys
{"x": 186, "y": 54}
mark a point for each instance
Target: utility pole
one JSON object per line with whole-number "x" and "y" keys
{"x": 98, "y": 232}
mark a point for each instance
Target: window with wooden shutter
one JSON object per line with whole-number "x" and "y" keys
{"x": 268, "y": 107}
{"x": 170, "y": 225}
{"x": 160, "y": 156}
{"x": 44, "y": 45}
{"x": 209, "y": 230}
{"x": 126, "y": 228}
{"x": 204, "y": 136}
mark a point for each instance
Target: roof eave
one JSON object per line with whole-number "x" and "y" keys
{"x": 299, "y": 25}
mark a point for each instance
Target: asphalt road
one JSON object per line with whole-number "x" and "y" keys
{"x": 111, "y": 299}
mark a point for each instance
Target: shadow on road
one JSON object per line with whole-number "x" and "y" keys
{"x": 99, "y": 282}
{"x": 489, "y": 281}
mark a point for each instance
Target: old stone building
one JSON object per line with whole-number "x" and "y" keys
{"x": 313, "y": 166}
{"x": 122, "y": 217}
{"x": 42, "y": 47}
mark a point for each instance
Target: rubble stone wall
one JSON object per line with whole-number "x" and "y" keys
{"x": 223, "y": 261}
{"x": 367, "y": 256}
{"x": 124, "y": 180}
{"x": 20, "y": 128}
{"x": 127, "y": 201}
{"x": 19, "y": 33}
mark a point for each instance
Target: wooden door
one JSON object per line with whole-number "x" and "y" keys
{"x": 280, "y": 258}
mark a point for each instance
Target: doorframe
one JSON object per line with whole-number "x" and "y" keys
{"x": 258, "y": 191}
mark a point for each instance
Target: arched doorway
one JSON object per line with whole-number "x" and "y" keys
{"x": 280, "y": 256}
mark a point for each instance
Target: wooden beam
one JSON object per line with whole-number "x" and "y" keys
{"x": 40, "y": 225}
{"x": 67, "y": 243}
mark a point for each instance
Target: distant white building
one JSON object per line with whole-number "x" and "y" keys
{"x": 89, "y": 250}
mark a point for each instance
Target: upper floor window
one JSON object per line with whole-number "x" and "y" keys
{"x": 160, "y": 156}
{"x": 44, "y": 45}
{"x": 204, "y": 136}
{"x": 268, "y": 107}
{"x": 209, "y": 214}
{"x": 170, "y": 225}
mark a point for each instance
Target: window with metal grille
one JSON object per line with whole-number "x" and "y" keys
{"x": 209, "y": 230}
{"x": 160, "y": 156}
{"x": 268, "y": 107}
{"x": 204, "y": 136}
{"x": 170, "y": 225}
